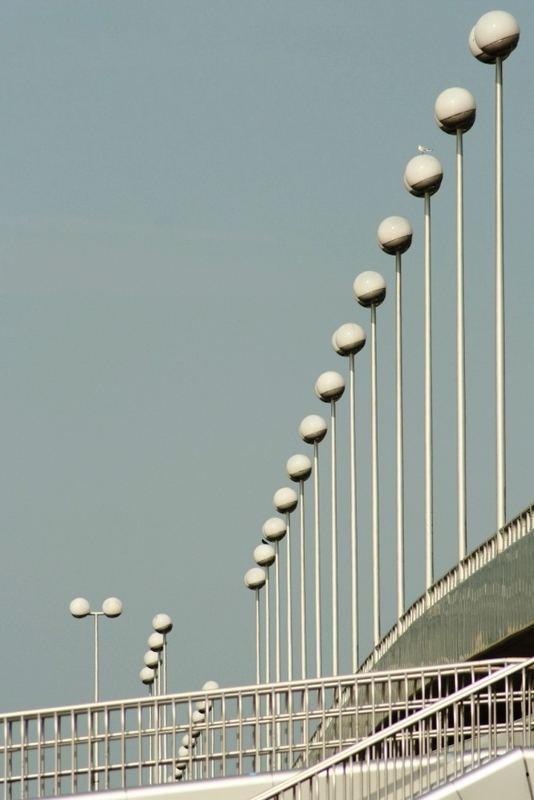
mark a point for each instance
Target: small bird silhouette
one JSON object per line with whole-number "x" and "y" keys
{"x": 422, "y": 149}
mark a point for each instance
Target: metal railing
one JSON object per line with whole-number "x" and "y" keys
{"x": 433, "y": 746}
{"x": 127, "y": 743}
{"x": 513, "y": 531}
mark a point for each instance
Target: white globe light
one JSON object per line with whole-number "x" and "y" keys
{"x": 178, "y": 773}
{"x": 369, "y": 288}
{"x": 394, "y": 235}
{"x": 202, "y": 705}
{"x": 348, "y": 339}
{"x": 147, "y": 675}
{"x": 198, "y": 718}
{"x": 285, "y": 500}
{"x": 423, "y": 175}
{"x": 329, "y": 386}
{"x": 255, "y": 578}
{"x": 188, "y": 741}
{"x": 313, "y": 429}
{"x": 455, "y": 110}
{"x": 80, "y": 607}
{"x": 162, "y": 623}
{"x": 274, "y": 529}
{"x": 299, "y": 467}
{"x": 112, "y": 607}
{"x": 476, "y": 51}
{"x": 497, "y": 33}
{"x": 151, "y": 659}
{"x": 264, "y": 555}
{"x": 210, "y": 686}
{"x": 183, "y": 755}
{"x": 156, "y": 641}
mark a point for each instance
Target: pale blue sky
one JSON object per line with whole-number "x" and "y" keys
{"x": 188, "y": 191}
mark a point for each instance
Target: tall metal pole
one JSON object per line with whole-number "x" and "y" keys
{"x": 374, "y": 483}
{"x": 399, "y": 438}
{"x": 499, "y": 298}
{"x": 429, "y": 547}
{"x": 460, "y": 350}
{"x": 317, "y": 559}
{"x": 289, "y": 623}
{"x": 277, "y": 612}
{"x": 335, "y": 592}
{"x": 95, "y": 615}
{"x": 267, "y": 629}
{"x": 353, "y": 515}
{"x": 303, "y": 637}
{"x": 257, "y": 605}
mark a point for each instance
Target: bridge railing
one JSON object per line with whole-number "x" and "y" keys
{"x": 139, "y": 742}
{"x": 513, "y": 531}
{"x": 427, "y": 750}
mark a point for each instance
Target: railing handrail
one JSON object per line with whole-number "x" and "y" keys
{"x": 392, "y": 730}
{"x": 456, "y": 575}
{"x": 260, "y": 689}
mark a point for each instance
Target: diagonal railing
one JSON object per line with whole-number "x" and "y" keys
{"x": 519, "y": 527}
{"x": 137, "y": 742}
{"x": 431, "y": 747}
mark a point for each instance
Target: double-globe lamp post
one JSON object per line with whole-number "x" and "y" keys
{"x": 80, "y": 608}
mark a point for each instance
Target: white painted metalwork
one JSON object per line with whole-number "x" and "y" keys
{"x": 428, "y": 748}
{"x": 52, "y": 751}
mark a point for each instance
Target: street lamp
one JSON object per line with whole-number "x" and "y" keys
{"x": 285, "y": 501}
{"x": 455, "y": 112}
{"x": 255, "y": 580}
{"x": 299, "y": 469}
{"x": 370, "y": 290}
{"x": 348, "y": 340}
{"x": 395, "y": 237}
{"x": 264, "y": 556}
{"x": 422, "y": 178}
{"x": 492, "y": 39}
{"x": 80, "y": 608}
{"x": 274, "y": 529}
{"x": 162, "y": 623}
{"x": 312, "y": 430}
{"x": 329, "y": 387}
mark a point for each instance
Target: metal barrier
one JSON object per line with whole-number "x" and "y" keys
{"x": 122, "y": 744}
{"x": 433, "y": 746}
{"x": 513, "y": 531}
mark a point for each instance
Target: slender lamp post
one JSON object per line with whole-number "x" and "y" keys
{"x": 395, "y": 237}
{"x": 162, "y": 623}
{"x": 455, "y": 111}
{"x": 348, "y": 340}
{"x": 151, "y": 662}
{"x": 422, "y": 178}
{"x": 255, "y": 580}
{"x": 264, "y": 556}
{"x": 370, "y": 290}
{"x": 80, "y": 607}
{"x": 274, "y": 529}
{"x": 493, "y": 38}
{"x": 285, "y": 501}
{"x": 156, "y": 642}
{"x": 299, "y": 469}
{"x": 312, "y": 430}
{"x": 329, "y": 387}
{"x": 205, "y": 707}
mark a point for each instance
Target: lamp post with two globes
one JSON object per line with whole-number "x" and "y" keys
{"x": 80, "y": 608}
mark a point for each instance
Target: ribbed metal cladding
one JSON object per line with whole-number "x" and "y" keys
{"x": 477, "y": 617}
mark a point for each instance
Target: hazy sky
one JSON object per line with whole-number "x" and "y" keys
{"x": 189, "y": 189}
